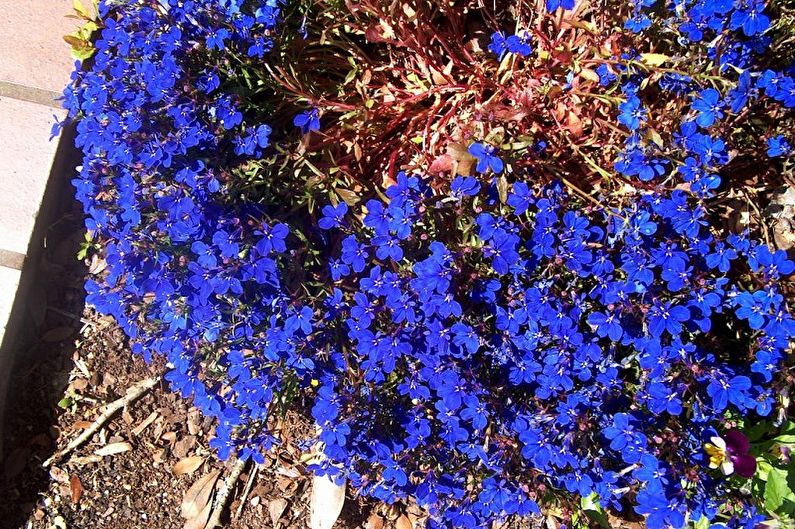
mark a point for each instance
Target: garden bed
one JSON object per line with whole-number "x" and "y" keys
{"x": 512, "y": 263}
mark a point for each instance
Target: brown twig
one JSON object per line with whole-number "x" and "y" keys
{"x": 132, "y": 394}
{"x": 223, "y": 494}
{"x": 251, "y": 479}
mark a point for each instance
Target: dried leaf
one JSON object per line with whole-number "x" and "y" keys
{"x": 187, "y": 465}
{"x": 276, "y": 508}
{"x": 326, "y": 503}
{"x": 589, "y": 75}
{"x": 113, "y": 449}
{"x": 200, "y": 520}
{"x": 350, "y": 197}
{"x": 59, "y": 475}
{"x": 409, "y": 11}
{"x": 574, "y": 124}
{"x": 141, "y": 427}
{"x": 87, "y": 460}
{"x": 502, "y": 189}
{"x": 198, "y": 495}
{"x": 76, "y": 487}
{"x": 374, "y": 522}
{"x": 403, "y": 522}
{"x": 441, "y": 164}
{"x": 74, "y": 41}
{"x": 288, "y": 472}
{"x": 97, "y": 265}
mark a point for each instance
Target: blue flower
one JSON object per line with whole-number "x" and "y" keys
{"x": 553, "y": 5}
{"x": 333, "y": 216}
{"x": 723, "y": 391}
{"x": 708, "y": 104}
{"x": 301, "y": 319}
{"x": 606, "y": 75}
{"x": 632, "y": 114}
{"x": 464, "y": 186}
{"x": 498, "y": 45}
{"x": 750, "y": 18}
{"x": 661, "y": 512}
{"x": 606, "y": 325}
{"x": 778, "y": 146}
{"x": 307, "y": 120}
{"x": 262, "y": 136}
{"x": 353, "y": 253}
{"x": 519, "y": 44}
{"x": 216, "y": 39}
{"x": 753, "y": 308}
{"x": 624, "y": 437}
{"x": 667, "y": 317}
{"x": 487, "y": 160}
{"x": 521, "y": 198}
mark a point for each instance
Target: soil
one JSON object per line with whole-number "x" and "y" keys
{"x": 77, "y": 363}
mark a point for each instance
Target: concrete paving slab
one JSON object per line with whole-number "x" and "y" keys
{"x": 33, "y": 51}
{"x": 9, "y": 281}
{"x": 26, "y": 157}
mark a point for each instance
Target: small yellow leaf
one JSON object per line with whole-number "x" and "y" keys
{"x": 80, "y": 9}
{"x": 654, "y": 59}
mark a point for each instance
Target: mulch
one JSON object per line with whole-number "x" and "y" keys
{"x": 78, "y": 362}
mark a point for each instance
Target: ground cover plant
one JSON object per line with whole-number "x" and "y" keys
{"x": 480, "y": 245}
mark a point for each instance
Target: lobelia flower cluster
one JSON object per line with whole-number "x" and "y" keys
{"x": 729, "y": 35}
{"x": 480, "y": 346}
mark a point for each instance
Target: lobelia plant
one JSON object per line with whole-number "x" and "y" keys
{"x": 491, "y": 273}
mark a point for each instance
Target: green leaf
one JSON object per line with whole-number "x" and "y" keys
{"x": 83, "y": 54}
{"x": 654, "y": 136}
{"x": 758, "y": 430}
{"x": 702, "y": 523}
{"x": 763, "y": 469}
{"x": 786, "y": 439}
{"x": 593, "y": 510}
{"x": 88, "y": 28}
{"x": 776, "y": 489}
{"x": 350, "y": 76}
{"x": 64, "y": 402}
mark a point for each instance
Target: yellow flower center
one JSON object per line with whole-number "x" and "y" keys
{"x": 717, "y": 455}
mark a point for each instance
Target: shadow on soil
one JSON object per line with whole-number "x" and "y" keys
{"x": 39, "y": 343}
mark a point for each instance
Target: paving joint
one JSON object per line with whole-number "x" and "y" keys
{"x": 30, "y": 94}
{"x": 13, "y": 260}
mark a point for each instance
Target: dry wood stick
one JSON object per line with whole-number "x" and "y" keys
{"x": 247, "y": 490}
{"x": 223, "y": 494}
{"x": 132, "y": 394}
